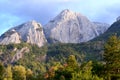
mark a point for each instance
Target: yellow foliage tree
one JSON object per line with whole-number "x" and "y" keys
{"x": 19, "y": 73}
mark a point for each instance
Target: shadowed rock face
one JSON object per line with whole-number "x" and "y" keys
{"x": 101, "y": 27}
{"x": 30, "y": 32}
{"x": 70, "y": 27}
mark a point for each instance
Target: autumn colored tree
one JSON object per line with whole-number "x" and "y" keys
{"x": 19, "y": 73}
{"x": 65, "y": 72}
{"x": 29, "y": 75}
{"x": 8, "y": 73}
{"x": 86, "y": 72}
{"x": 73, "y": 71}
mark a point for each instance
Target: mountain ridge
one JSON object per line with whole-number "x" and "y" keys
{"x": 30, "y": 32}
{"x": 66, "y": 27}
{"x": 70, "y": 27}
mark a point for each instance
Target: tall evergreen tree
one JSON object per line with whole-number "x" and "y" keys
{"x": 2, "y": 70}
{"x": 112, "y": 55}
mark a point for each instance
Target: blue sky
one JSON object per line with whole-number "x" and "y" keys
{"x": 15, "y": 12}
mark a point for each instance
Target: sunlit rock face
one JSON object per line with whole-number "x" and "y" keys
{"x": 30, "y": 32}
{"x": 70, "y": 27}
{"x": 10, "y": 36}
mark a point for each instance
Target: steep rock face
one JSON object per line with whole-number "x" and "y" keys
{"x": 101, "y": 27}
{"x": 10, "y": 36}
{"x": 70, "y": 27}
{"x": 30, "y": 32}
{"x": 19, "y": 54}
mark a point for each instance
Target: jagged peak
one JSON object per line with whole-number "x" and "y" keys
{"x": 66, "y": 15}
{"x": 32, "y": 22}
{"x": 35, "y": 24}
{"x": 13, "y": 30}
{"x": 27, "y": 25}
{"x": 29, "y": 32}
{"x": 66, "y": 11}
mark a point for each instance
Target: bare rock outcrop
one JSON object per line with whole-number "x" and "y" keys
{"x": 70, "y": 27}
{"x": 30, "y": 32}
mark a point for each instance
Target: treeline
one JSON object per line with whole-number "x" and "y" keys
{"x": 71, "y": 68}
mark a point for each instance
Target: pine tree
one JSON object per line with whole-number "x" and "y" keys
{"x": 72, "y": 62}
{"x": 112, "y": 55}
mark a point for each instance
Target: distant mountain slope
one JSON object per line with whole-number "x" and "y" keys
{"x": 71, "y": 27}
{"x": 30, "y": 32}
{"x": 37, "y": 58}
{"x": 113, "y": 29}
{"x": 101, "y": 27}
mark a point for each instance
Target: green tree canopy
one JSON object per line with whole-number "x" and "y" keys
{"x": 112, "y": 55}
{"x": 8, "y": 73}
{"x": 2, "y": 71}
{"x": 19, "y": 73}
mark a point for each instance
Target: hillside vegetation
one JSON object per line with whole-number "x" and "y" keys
{"x": 86, "y": 61}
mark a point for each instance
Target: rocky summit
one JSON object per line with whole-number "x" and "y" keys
{"x": 66, "y": 27}
{"x": 30, "y": 32}
{"x": 71, "y": 27}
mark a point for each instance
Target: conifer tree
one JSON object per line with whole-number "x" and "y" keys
{"x": 112, "y": 55}
{"x": 2, "y": 70}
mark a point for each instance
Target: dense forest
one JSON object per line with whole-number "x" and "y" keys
{"x": 62, "y": 61}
